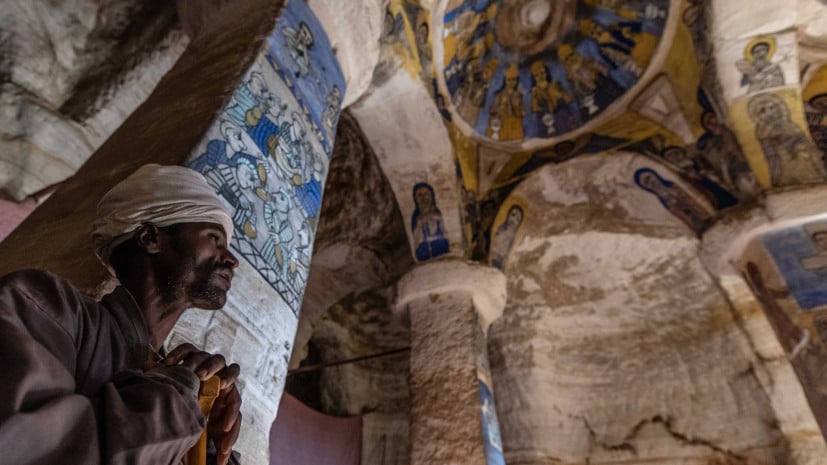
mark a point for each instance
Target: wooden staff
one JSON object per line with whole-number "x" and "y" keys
{"x": 206, "y": 396}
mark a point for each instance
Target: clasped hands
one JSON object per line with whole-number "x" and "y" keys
{"x": 225, "y": 417}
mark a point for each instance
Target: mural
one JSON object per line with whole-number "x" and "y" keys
{"x": 815, "y": 108}
{"x": 760, "y": 63}
{"x": 800, "y": 333}
{"x": 800, "y": 254}
{"x": 718, "y": 149}
{"x": 268, "y": 156}
{"x": 426, "y": 224}
{"x": 505, "y": 236}
{"x": 791, "y": 156}
{"x": 758, "y": 70}
{"x": 675, "y": 199}
{"x": 601, "y": 54}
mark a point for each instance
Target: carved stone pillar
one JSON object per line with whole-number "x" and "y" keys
{"x": 451, "y": 303}
{"x": 253, "y": 105}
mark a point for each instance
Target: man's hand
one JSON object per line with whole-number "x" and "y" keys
{"x": 225, "y": 417}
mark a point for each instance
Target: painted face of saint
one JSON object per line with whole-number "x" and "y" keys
{"x": 675, "y": 155}
{"x": 649, "y": 181}
{"x": 709, "y": 120}
{"x": 423, "y": 199}
{"x": 760, "y": 51}
{"x": 235, "y": 141}
{"x": 539, "y": 75}
{"x": 281, "y": 201}
{"x": 769, "y": 111}
{"x": 246, "y": 176}
{"x": 511, "y": 82}
{"x": 515, "y": 217}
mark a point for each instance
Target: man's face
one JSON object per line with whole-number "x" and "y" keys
{"x": 197, "y": 264}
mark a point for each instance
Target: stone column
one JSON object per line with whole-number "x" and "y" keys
{"x": 451, "y": 303}
{"x": 253, "y": 105}
{"x": 784, "y": 265}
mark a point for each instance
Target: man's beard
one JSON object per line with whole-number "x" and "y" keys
{"x": 202, "y": 291}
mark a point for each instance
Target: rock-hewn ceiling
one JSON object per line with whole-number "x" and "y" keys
{"x": 608, "y": 156}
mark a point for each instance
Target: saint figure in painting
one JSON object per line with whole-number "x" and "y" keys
{"x": 298, "y": 43}
{"x": 508, "y": 107}
{"x": 719, "y": 149}
{"x": 546, "y": 94}
{"x": 426, "y": 224}
{"x": 792, "y": 158}
{"x": 677, "y": 201}
{"x": 818, "y": 234}
{"x": 504, "y": 239}
{"x": 816, "y": 110}
{"x": 758, "y": 71}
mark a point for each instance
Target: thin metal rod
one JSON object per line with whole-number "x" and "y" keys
{"x": 309, "y": 368}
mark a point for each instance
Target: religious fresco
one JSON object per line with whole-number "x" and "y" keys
{"x": 268, "y": 155}
{"x": 406, "y": 36}
{"x": 427, "y": 226}
{"x": 773, "y": 266}
{"x": 815, "y": 108}
{"x": 675, "y": 199}
{"x": 760, "y": 63}
{"x": 800, "y": 254}
{"x": 506, "y": 233}
{"x": 770, "y": 127}
{"x": 504, "y": 96}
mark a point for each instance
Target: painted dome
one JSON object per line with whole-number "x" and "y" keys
{"x": 521, "y": 69}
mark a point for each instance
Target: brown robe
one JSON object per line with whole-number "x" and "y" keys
{"x": 72, "y": 389}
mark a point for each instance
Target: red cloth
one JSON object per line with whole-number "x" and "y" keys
{"x": 303, "y": 436}
{"x": 13, "y": 213}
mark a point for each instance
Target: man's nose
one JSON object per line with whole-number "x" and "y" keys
{"x": 230, "y": 259}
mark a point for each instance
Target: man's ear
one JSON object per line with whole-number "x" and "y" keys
{"x": 147, "y": 238}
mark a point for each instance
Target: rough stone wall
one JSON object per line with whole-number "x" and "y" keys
{"x": 70, "y": 74}
{"x": 360, "y": 249}
{"x": 616, "y": 345}
{"x": 361, "y": 240}
{"x": 360, "y": 325}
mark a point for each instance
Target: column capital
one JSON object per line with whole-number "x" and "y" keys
{"x": 485, "y": 285}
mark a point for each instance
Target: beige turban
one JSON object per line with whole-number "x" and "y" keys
{"x": 162, "y": 195}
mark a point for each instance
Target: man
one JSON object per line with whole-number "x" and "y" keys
{"x": 83, "y": 381}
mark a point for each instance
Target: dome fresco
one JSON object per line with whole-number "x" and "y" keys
{"x": 539, "y": 69}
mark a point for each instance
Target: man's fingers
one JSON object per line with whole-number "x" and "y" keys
{"x": 232, "y": 409}
{"x": 177, "y": 354}
{"x": 228, "y": 375}
{"x": 225, "y": 445}
{"x": 194, "y": 360}
{"x": 209, "y": 366}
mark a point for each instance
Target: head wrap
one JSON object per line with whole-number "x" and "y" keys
{"x": 161, "y": 195}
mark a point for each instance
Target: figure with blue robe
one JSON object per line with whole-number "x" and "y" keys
{"x": 426, "y": 224}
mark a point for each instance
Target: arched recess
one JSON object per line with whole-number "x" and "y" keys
{"x": 361, "y": 249}
{"x": 616, "y": 345}
{"x": 360, "y": 241}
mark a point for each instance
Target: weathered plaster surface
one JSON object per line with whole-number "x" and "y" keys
{"x": 70, "y": 75}
{"x": 403, "y": 126}
{"x": 616, "y": 345}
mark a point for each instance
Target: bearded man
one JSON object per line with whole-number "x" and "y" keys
{"x": 88, "y": 382}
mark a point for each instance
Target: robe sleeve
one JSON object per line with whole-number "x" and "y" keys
{"x": 137, "y": 418}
